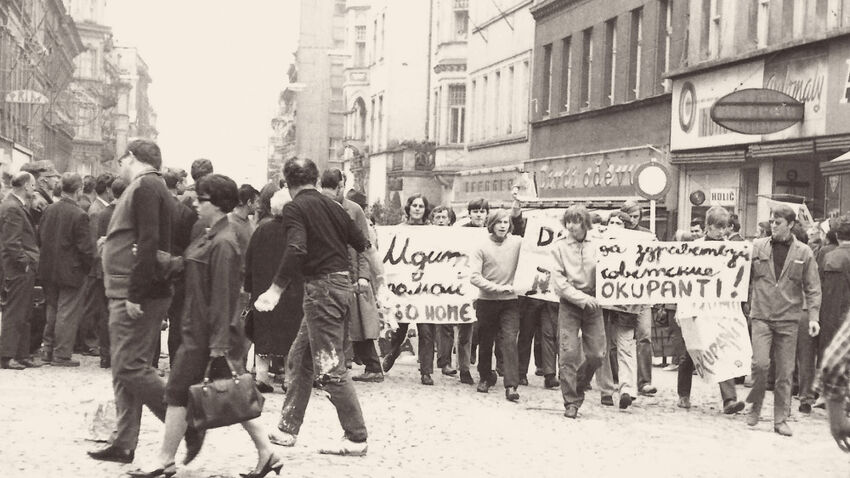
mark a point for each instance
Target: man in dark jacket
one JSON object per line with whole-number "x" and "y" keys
{"x": 139, "y": 296}
{"x": 19, "y": 255}
{"x": 67, "y": 254}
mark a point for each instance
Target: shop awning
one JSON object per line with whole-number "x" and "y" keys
{"x": 839, "y": 165}
{"x": 708, "y": 157}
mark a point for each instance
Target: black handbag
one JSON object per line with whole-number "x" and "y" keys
{"x": 224, "y": 401}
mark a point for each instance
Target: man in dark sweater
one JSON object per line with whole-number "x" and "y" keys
{"x": 318, "y": 233}
{"x": 139, "y": 295}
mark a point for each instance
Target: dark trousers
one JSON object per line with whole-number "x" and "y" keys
{"x": 365, "y": 351}
{"x": 686, "y": 376}
{"x": 498, "y": 319}
{"x": 806, "y": 355}
{"x": 445, "y": 344}
{"x": 87, "y": 332}
{"x": 135, "y": 382}
{"x": 64, "y": 312}
{"x": 17, "y": 310}
{"x": 781, "y": 335}
{"x": 97, "y": 309}
{"x": 426, "y": 336}
{"x": 318, "y": 353}
{"x": 175, "y": 314}
{"x": 538, "y": 321}
{"x": 575, "y": 374}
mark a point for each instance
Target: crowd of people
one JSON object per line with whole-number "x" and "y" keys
{"x": 293, "y": 270}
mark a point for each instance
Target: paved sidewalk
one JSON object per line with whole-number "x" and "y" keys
{"x": 444, "y": 430}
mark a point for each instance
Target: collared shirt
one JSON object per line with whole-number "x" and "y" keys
{"x": 318, "y": 233}
{"x": 834, "y": 375}
{"x": 23, "y": 203}
{"x": 105, "y": 203}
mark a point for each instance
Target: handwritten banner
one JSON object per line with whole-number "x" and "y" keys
{"x": 534, "y": 271}
{"x": 426, "y": 269}
{"x": 672, "y": 272}
{"x": 716, "y": 338}
{"x": 536, "y": 264}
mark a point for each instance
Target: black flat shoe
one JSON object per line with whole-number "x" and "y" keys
{"x": 167, "y": 471}
{"x": 113, "y": 453}
{"x": 272, "y": 464}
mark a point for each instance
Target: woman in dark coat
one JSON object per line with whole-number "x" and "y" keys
{"x": 211, "y": 327}
{"x": 273, "y": 332}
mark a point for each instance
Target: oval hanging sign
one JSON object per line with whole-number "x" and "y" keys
{"x": 757, "y": 111}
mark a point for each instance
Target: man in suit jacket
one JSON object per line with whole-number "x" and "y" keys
{"x": 784, "y": 289}
{"x": 19, "y": 255}
{"x": 66, "y": 256}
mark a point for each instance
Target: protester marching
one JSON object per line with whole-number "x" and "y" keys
{"x": 290, "y": 288}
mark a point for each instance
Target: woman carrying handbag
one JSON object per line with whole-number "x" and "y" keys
{"x": 212, "y": 333}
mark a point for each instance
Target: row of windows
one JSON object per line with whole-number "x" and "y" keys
{"x": 498, "y": 102}
{"x": 560, "y": 59}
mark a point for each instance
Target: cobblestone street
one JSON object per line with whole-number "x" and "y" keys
{"x": 444, "y": 430}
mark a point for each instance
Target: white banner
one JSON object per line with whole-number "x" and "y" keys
{"x": 717, "y": 340}
{"x": 672, "y": 272}
{"x": 426, "y": 269}
{"x": 534, "y": 271}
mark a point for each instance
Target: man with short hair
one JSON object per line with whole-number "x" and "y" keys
{"x": 697, "y": 229}
{"x": 362, "y": 333}
{"x": 19, "y": 255}
{"x": 67, "y": 253}
{"x": 139, "y": 295}
{"x": 318, "y": 233}
{"x": 478, "y": 210}
{"x": 784, "y": 290}
{"x": 46, "y": 180}
{"x": 643, "y": 331}
{"x": 240, "y": 216}
{"x": 200, "y": 168}
{"x": 88, "y": 195}
{"x": 735, "y": 228}
{"x": 574, "y": 280}
{"x": 717, "y": 222}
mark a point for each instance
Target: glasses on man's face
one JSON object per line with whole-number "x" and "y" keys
{"x": 203, "y": 199}
{"x": 122, "y": 158}
{"x": 777, "y": 221}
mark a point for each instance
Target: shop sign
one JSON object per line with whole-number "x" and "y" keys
{"x": 723, "y": 196}
{"x": 594, "y": 175}
{"x": 802, "y": 75}
{"x": 757, "y": 111}
{"x": 693, "y": 97}
{"x": 26, "y": 96}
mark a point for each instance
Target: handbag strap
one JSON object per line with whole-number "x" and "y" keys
{"x": 209, "y": 365}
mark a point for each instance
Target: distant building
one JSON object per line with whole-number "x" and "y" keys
{"x": 501, "y": 38}
{"x": 386, "y": 97}
{"x": 132, "y": 70}
{"x": 282, "y": 142}
{"x": 319, "y": 62}
{"x": 38, "y": 43}
{"x": 600, "y": 106}
{"x": 96, "y": 92}
{"x": 800, "y": 48}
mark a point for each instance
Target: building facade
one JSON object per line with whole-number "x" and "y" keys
{"x": 38, "y": 44}
{"x": 135, "y": 74}
{"x": 282, "y": 141}
{"x": 95, "y": 92}
{"x": 386, "y": 95}
{"x": 447, "y": 105}
{"x": 319, "y": 61}
{"x": 800, "y": 48}
{"x": 600, "y": 105}
{"x": 500, "y": 45}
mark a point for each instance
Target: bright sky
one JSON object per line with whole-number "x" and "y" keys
{"x": 218, "y": 67}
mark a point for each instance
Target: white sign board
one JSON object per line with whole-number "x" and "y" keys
{"x": 723, "y": 196}
{"x": 426, "y": 269}
{"x": 654, "y": 272}
{"x": 717, "y": 339}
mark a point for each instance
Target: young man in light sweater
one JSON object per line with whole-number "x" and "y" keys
{"x": 493, "y": 266}
{"x": 575, "y": 284}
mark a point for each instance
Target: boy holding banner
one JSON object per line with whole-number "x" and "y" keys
{"x": 716, "y": 227}
{"x": 784, "y": 280}
{"x": 575, "y": 283}
{"x": 493, "y": 266}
